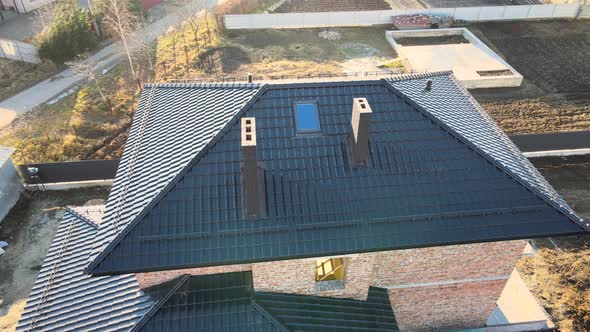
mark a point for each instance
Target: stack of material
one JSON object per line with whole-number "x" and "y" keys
{"x": 421, "y": 21}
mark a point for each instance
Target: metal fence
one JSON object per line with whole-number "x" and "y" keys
{"x": 18, "y": 50}
{"x": 311, "y": 76}
{"x": 378, "y": 17}
{"x": 70, "y": 171}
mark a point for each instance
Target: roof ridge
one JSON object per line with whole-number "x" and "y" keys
{"x": 181, "y": 281}
{"x": 82, "y": 217}
{"x": 413, "y": 76}
{"x": 210, "y": 85}
{"x": 120, "y": 235}
{"x": 267, "y": 314}
{"x": 54, "y": 268}
{"x": 559, "y": 207}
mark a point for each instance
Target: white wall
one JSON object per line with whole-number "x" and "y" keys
{"x": 18, "y": 50}
{"x": 10, "y": 185}
{"x": 363, "y": 18}
{"x": 25, "y": 6}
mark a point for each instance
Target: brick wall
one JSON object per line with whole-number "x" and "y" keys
{"x": 445, "y": 307}
{"x": 154, "y": 278}
{"x": 442, "y": 287}
{"x": 298, "y": 277}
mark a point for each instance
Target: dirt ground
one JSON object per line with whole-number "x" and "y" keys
{"x": 304, "y": 51}
{"x": 29, "y": 230}
{"x": 554, "y": 58}
{"x": 559, "y": 273}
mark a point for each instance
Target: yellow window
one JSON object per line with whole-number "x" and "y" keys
{"x": 329, "y": 269}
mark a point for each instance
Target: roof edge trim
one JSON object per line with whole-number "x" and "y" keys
{"x": 91, "y": 267}
{"x": 331, "y": 253}
{"x": 181, "y": 280}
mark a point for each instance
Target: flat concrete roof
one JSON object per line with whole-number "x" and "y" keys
{"x": 465, "y": 60}
{"x": 469, "y": 61}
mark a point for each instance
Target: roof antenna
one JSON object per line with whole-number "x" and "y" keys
{"x": 428, "y": 85}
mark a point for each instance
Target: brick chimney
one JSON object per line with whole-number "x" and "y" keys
{"x": 361, "y": 121}
{"x": 252, "y": 174}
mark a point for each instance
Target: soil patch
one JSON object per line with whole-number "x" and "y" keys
{"x": 307, "y": 6}
{"x": 552, "y": 113}
{"x": 29, "y": 229}
{"x": 223, "y": 60}
{"x": 440, "y": 40}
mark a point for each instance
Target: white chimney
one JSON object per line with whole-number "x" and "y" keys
{"x": 252, "y": 181}
{"x": 361, "y": 121}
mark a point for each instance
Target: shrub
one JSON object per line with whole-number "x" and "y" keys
{"x": 69, "y": 34}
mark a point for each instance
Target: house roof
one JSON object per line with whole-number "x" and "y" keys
{"x": 315, "y": 313}
{"x": 63, "y": 298}
{"x": 440, "y": 172}
{"x": 227, "y": 302}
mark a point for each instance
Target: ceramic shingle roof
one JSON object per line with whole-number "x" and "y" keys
{"x": 63, "y": 298}
{"x": 439, "y": 172}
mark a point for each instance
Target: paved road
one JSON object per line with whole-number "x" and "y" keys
{"x": 54, "y": 86}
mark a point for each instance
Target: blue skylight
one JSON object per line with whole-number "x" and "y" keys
{"x": 307, "y": 119}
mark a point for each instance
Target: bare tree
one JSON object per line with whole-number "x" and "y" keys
{"x": 189, "y": 16}
{"x": 89, "y": 70}
{"x": 122, "y": 22}
{"x": 146, "y": 46}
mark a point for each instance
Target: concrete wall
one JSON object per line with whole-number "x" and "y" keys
{"x": 10, "y": 185}
{"x": 438, "y": 287}
{"x": 470, "y": 80}
{"x": 25, "y": 6}
{"x": 365, "y": 18}
{"x": 18, "y": 50}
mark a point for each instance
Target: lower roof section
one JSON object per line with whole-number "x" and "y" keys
{"x": 227, "y": 302}
{"x": 65, "y": 299}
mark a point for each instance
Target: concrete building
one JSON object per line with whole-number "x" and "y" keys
{"x": 388, "y": 205}
{"x": 10, "y": 184}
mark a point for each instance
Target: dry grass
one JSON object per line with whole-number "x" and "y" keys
{"x": 271, "y": 53}
{"x": 74, "y": 127}
{"x": 8, "y": 322}
{"x": 561, "y": 280}
{"x": 16, "y": 76}
{"x": 178, "y": 51}
{"x": 540, "y": 115}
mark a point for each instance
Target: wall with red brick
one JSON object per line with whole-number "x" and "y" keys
{"x": 298, "y": 277}
{"x": 154, "y": 278}
{"x": 445, "y": 307}
{"x": 443, "y": 287}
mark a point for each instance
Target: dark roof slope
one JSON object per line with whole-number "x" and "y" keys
{"x": 431, "y": 180}
{"x": 173, "y": 122}
{"x": 227, "y": 302}
{"x": 314, "y": 313}
{"x": 221, "y": 302}
{"x": 63, "y": 298}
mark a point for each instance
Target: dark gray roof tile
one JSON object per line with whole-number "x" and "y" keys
{"x": 437, "y": 174}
